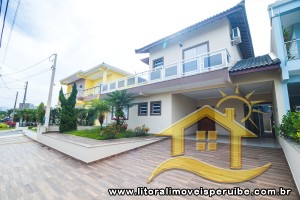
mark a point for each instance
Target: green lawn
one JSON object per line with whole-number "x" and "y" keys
{"x": 11, "y": 128}
{"x": 34, "y": 129}
{"x": 95, "y": 134}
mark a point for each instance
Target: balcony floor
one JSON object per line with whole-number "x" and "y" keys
{"x": 30, "y": 170}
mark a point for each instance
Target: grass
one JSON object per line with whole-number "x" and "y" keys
{"x": 95, "y": 134}
{"x": 34, "y": 129}
{"x": 2, "y": 128}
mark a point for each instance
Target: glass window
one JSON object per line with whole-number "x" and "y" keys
{"x": 121, "y": 83}
{"x": 190, "y": 57}
{"x": 142, "y": 109}
{"x": 112, "y": 86}
{"x": 155, "y": 107}
{"x": 158, "y": 62}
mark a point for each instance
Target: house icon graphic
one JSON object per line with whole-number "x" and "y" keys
{"x": 236, "y": 131}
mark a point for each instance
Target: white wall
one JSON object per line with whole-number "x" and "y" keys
{"x": 181, "y": 107}
{"x": 217, "y": 33}
{"x": 155, "y": 123}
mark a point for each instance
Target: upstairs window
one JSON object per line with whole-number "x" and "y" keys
{"x": 158, "y": 62}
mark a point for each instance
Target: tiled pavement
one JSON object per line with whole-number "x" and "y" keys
{"x": 29, "y": 170}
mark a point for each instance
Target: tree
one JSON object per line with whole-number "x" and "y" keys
{"x": 40, "y": 113}
{"x": 99, "y": 108}
{"x": 119, "y": 100}
{"x": 68, "y": 118}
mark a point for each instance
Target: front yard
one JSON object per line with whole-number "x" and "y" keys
{"x": 107, "y": 133}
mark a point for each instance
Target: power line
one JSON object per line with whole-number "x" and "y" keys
{"x": 4, "y": 82}
{"x": 12, "y": 78}
{"x": 42, "y": 72}
{"x": 3, "y": 21}
{"x": 12, "y": 88}
{"x": 12, "y": 26}
{"x": 27, "y": 67}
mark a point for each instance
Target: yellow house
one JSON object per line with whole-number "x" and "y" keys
{"x": 89, "y": 82}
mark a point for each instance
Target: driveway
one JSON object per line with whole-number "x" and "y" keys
{"x": 29, "y": 170}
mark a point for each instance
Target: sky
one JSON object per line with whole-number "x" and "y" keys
{"x": 87, "y": 33}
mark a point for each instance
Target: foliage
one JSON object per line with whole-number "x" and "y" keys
{"x": 119, "y": 100}
{"x": 90, "y": 119}
{"x": 290, "y": 126}
{"x": 110, "y": 132}
{"x": 28, "y": 115}
{"x": 68, "y": 118}
{"x": 55, "y": 116}
{"x": 2, "y": 125}
{"x": 99, "y": 108}
{"x": 81, "y": 116}
{"x": 3, "y": 114}
{"x": 40, "y": 113}
{"x": 288, "y": 44}
{"x": 10, "y": 123}
{"x": 141, "y": 131}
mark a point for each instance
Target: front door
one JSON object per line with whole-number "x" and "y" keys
{"x": 206, "y": 124}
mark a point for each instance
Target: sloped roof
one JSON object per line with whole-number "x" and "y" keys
{"x": 237, "y": 17}
{"x": 259, "y": 62}
{"x": 77, "y": 75}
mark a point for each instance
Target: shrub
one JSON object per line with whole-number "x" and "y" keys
{"x": 290, "y": 126}
{"x": 68, "y": 117}
{"x": 110, "y": 131}
{"x": 141, "y": 131}
{"x": 2, "y": 125}
{"x": 30, "y": 127}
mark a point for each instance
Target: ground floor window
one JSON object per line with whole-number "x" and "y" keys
{"x": 142, "y": 109}
{"x": 155, "y": 107}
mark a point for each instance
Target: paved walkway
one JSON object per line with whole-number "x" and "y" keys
{"x": 30, "y": 170}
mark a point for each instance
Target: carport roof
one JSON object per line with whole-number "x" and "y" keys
{"x": 259, "y": 63}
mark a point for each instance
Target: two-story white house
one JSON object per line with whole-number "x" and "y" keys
{"x": 187, "y": 70}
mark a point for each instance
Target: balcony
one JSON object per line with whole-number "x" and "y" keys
{"x": 87, "y": 94}
{"x": 292, "y": 49}
{"x": 199, "y": 64}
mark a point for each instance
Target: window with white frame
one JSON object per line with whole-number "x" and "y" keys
{"x": 155, "y": 107}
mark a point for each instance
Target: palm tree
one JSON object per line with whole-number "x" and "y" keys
{"x": 99, "y": 107}
{"x": 119, "y": 100}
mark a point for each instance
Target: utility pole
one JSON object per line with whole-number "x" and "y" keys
{"x": 13, "y": 114}
{"x": 23, "y": 104}
{"x": 47, "y": 115}
{"x": 24, "y": 99}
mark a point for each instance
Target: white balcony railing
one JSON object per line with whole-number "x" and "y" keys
{"x": 292, "y": 49}
{"x": 199, "y": 64}
{"x": 86, "y": 93}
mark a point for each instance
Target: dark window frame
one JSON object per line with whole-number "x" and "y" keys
{"x": 139, "y": 107}
{"x": 163, "y": 62}
{"x": 151, "y": 108}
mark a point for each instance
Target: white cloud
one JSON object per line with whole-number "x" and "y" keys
{"x": 86, "y": 33}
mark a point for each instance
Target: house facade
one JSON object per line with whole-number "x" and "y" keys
{"x": 285, "y": 43}
{"x": 189, "y": 68}
{"x": 89, "y": 82}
